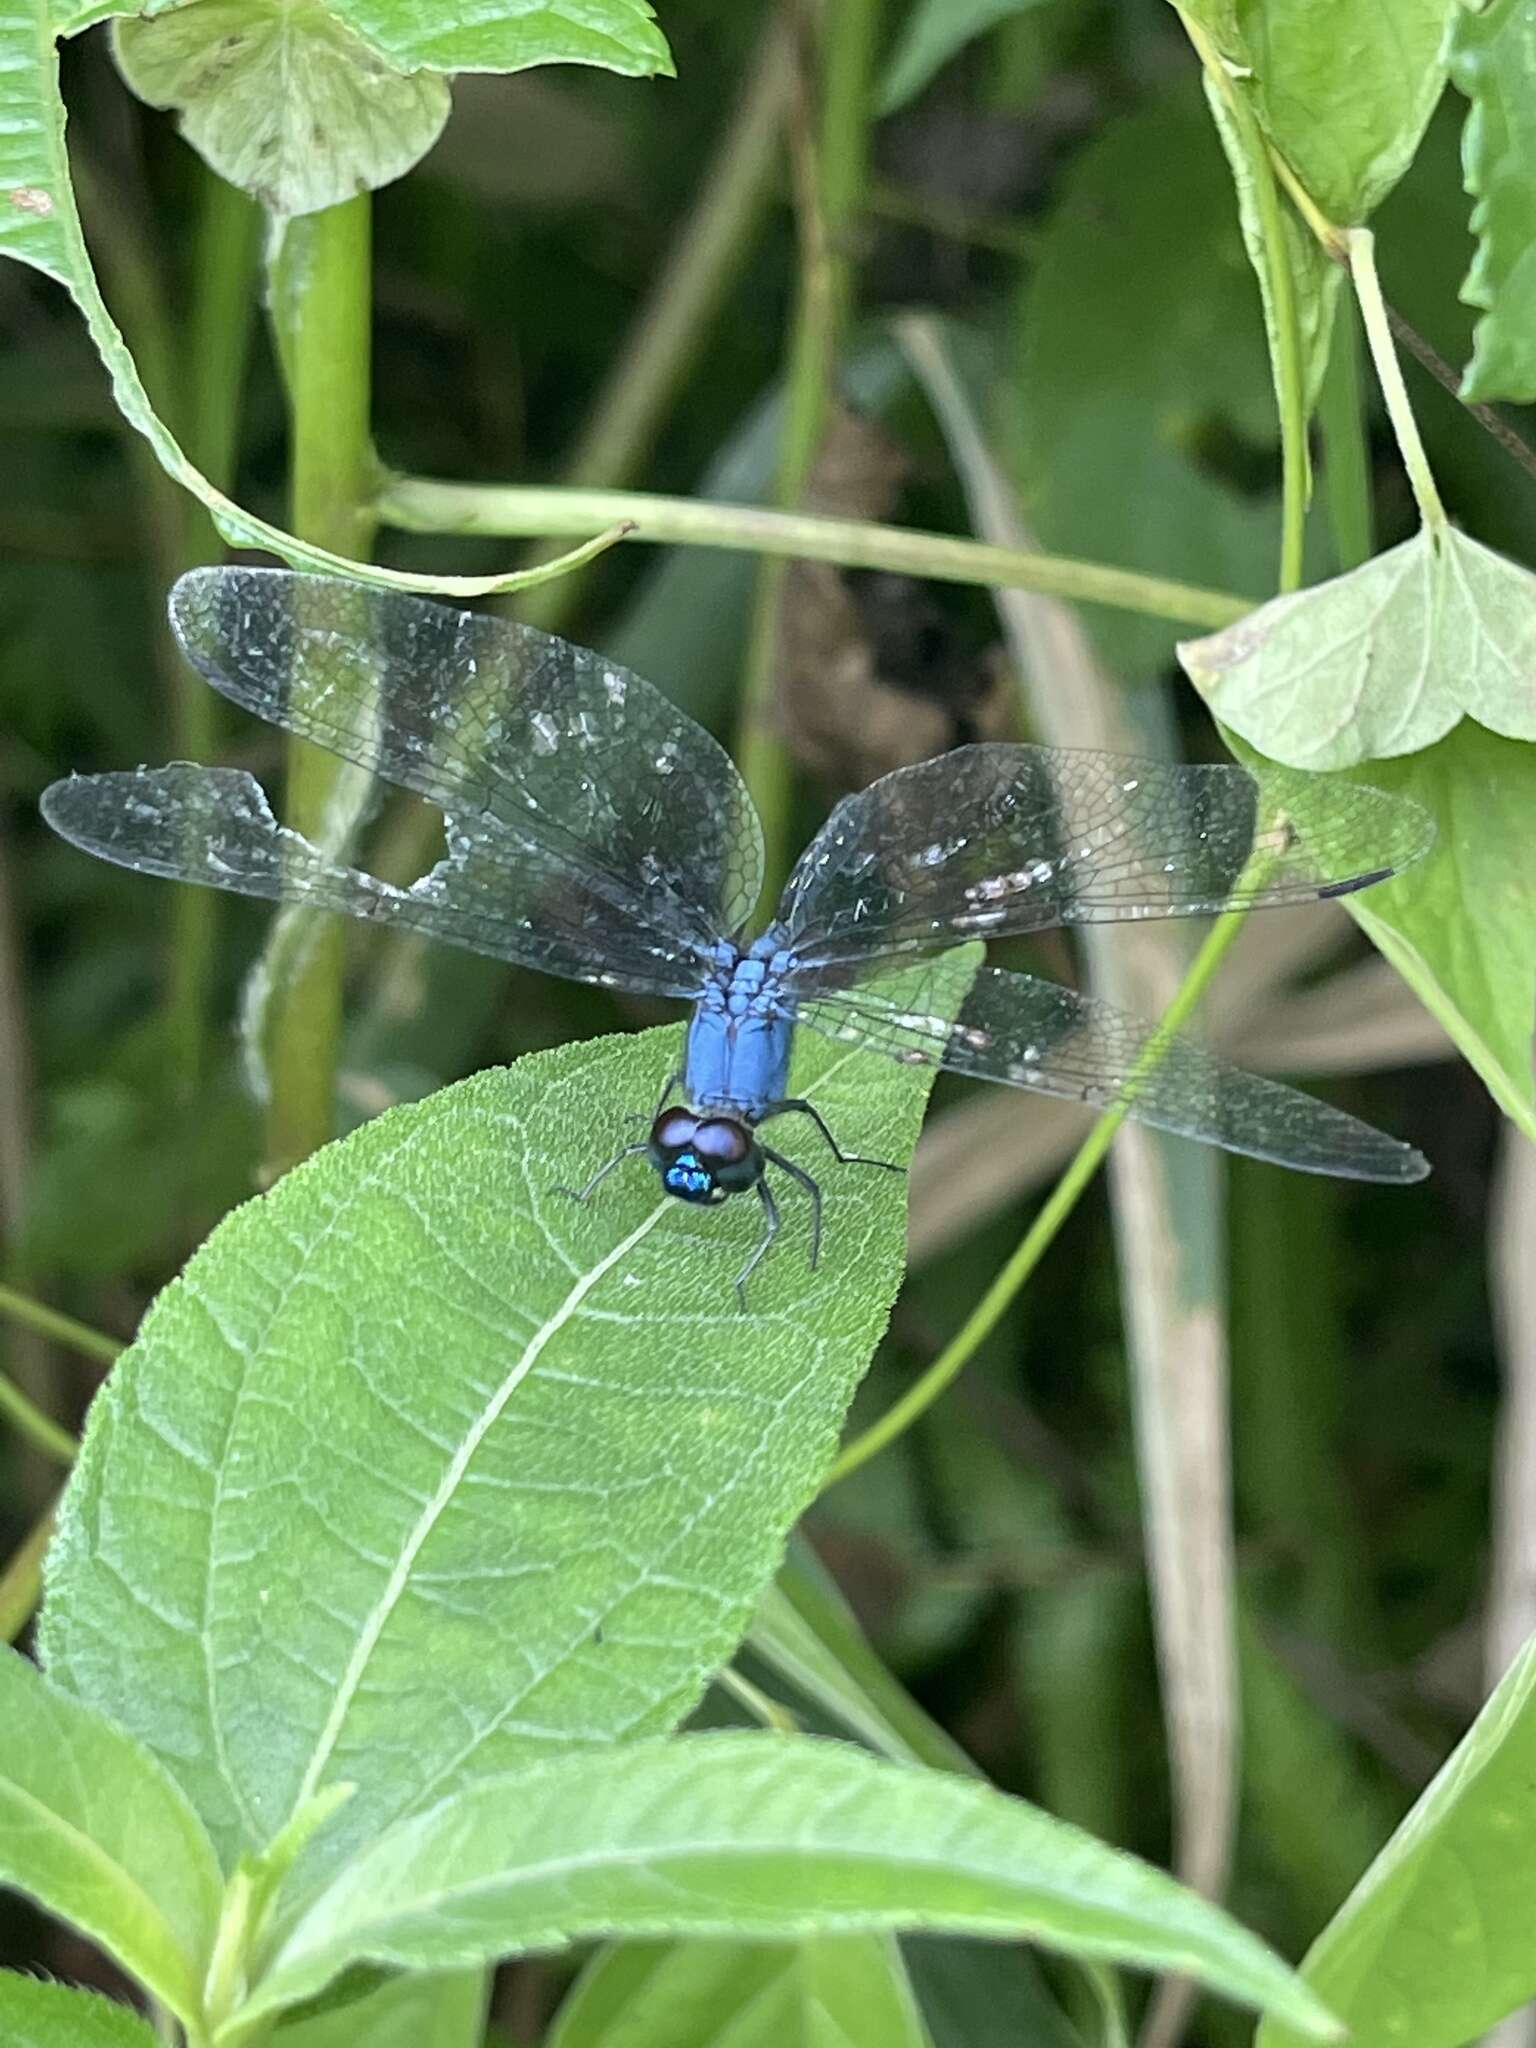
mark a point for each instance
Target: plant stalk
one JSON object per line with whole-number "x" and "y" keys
{"x": 21, "y": 1581}
{"x": 1361, "y": 245}
{"x": 322, "y": 308}
{"x": 1290, "y": 381}
{"x": 1042, "y": 1233}
{"x": 829, "y": 162}
{"x": 657, "y": 353}
{"x": 62, "y": 1329}
{"x": 1346, "y": 453}
{"x": 424, "y": 505}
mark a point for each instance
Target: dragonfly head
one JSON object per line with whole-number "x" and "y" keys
{"x": 704, "y": 1158}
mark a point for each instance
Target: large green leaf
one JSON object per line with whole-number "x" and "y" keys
{"x": 94, "y": 1829}
{"x": 827, "y": 1991}
{"x": 1116, "y": 414}
{"x": 282, "y": 99}
{"x": 1434, "y": 1944}
{"x": 39, "y": 225}
{"x": 758, "y": 1836}
{"x": 1493, "y": 61}
{"x": 1381, "y": 661}
{"x": 933, "y": 32}
{"x": 1344, "y": 89}
{"x": 35, "y": 2014}
{"x": 422, "y": 1469}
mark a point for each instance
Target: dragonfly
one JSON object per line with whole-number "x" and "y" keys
{"x": 593, "y": 831}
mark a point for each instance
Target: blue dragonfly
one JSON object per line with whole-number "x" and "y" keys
{"x": 594, "y": 831}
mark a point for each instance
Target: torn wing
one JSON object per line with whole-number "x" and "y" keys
{"x": 1036, "y": 1034}
{"x": 994, "y": 840}
{"x": 488, "y": 893}
{"x": 582, "y": 766}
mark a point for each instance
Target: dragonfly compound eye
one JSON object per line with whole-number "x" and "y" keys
{"x": 673, "y": 1129}
{"x": 730, "y": 1151}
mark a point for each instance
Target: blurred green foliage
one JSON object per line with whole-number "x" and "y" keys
{"x": 994, "y": 1555}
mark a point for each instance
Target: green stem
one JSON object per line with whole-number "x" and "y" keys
{"x": 1361, "y": 245}
{"x": 1346, "y": 453}
{"x": 665, "y": 340}
{"x": 1290, "y": 379}
{"x": 709, "y": 251}
{"x": 423, "y": 505}
{"x": 322, "y": 305}
{"x": 213, "y": 363}
{"x": 21, "y": 1582}
{"x": 1037, "y": 1240}
{"x": 48, "y": 1322}
{"x": 30, "y": 1422}
{"x": 830, "y": 171}
{"x": 768, "y": 1713}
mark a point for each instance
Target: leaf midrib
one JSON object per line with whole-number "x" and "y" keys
{"x": 399, "y": 1577}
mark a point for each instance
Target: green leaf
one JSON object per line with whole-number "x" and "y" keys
{"x": 281, "y": 99}
{"x": 804, "y": 1632}
{"x": 35, "y": 2014}
{"x": 510, "y": 35}
{"x": 1382, "y": 661}
{"x": 407, "y": 2012}
{"x": 497, "y": 35}
{"x": 1119, "y": 414}
{"x": 1344, "y": 89}
{"x": 94, "y": 1830}
{"x": 1493, "y": 61}
{"x": 422, "y": 1470}
{"x": 1315, "y": 279}
{"x": 760, "y": 1837}
{"x": 1461, "y": 929}
{"x": 829, "y": 1991}
{"x": 978, "y": 1994}
{"x": 1434, "y": 1944}
{"x": 933, "y": 32}
{"x": 39, "y": 225}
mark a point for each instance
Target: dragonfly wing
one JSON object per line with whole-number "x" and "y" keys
{"x": 488, "y": 719}
{"x": 214, "y": 826}
{"x": 993, "y": 840}
{"x": 1036, "y": 1034}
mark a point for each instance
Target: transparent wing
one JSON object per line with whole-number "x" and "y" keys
{"x": 1036, "y": 1034}
{"x": 574, "y": 764}
{"x": 992, "y": 840}
{"x": 214, "y": 826}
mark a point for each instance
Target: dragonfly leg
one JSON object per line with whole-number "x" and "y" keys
{"x": 602, "y": 1173}
{"x": 771, "y": 1213}
{"x": 796, "y": 1105}
{"x": 798, "y": 1173}
{"x": 638, "y": 1116}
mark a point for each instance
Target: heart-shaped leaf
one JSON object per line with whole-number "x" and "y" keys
{"x": 1382, "y": 661}
{"x": 756, "y": 1836}
{"x": 282, "y": 99}
{"x": 40, "y": 226}
{"x": 422, "y": 1470}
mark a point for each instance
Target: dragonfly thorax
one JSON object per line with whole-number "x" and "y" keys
{"x": 704, "y": 1158}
